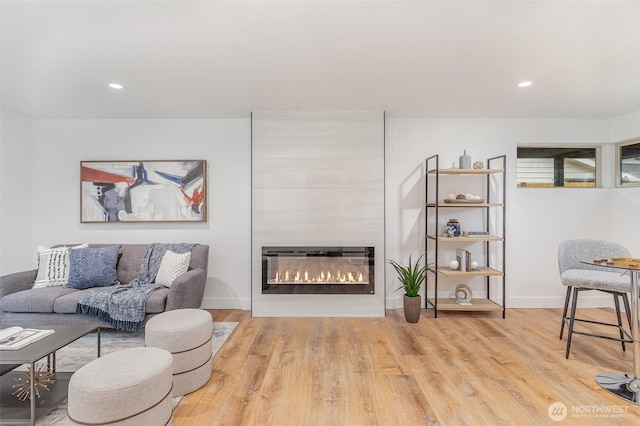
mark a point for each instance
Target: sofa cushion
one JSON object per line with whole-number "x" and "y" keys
{"x": 131, "y": 261}
{"x": 93, "y": 267}
{"x": 172, "y": 266}
{"x": 157, "y": 302}
{"x": 39, "y": 300}
{"x": 53, "y": 266}
{"x": 66, "y": 304}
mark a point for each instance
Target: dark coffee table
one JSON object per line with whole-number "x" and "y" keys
{"x": 15, "y": 411}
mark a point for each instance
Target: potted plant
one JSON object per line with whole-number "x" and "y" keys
{"x": 412, "y": 276}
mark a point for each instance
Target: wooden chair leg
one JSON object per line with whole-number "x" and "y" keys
{"x": 564, "y": 312}
{"x": 574, "y": 305}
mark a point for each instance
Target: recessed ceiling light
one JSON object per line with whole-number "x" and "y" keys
{"x": 525, "y": 84}
{"x": 115, "y": 85}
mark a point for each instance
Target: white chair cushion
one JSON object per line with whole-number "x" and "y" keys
{"x": 597, "y": 280}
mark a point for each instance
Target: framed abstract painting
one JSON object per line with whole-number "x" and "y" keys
{"x": 143, "y": 191}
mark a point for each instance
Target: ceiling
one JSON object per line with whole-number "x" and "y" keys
{"x": 202, "y": 59}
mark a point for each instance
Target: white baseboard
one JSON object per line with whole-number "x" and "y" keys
{"x": 600, "y": 301}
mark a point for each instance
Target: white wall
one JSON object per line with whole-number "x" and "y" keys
{"x": 625, "y": 127}
{"x": 537, "y": 219}
{"x": 60, "y": 145}
{"x": 43, "y": 209}
{"x": 625, "y": 202}
{"x": 16, "y": 184}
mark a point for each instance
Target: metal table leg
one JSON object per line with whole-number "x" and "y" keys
{"x": 32, "y": 388}
{"x": 98, "y": 332}
{"x": 627, "y": 386}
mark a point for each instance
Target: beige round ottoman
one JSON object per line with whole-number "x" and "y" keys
{"x": 127, "y": 387}
{"x": 186, "y": 333}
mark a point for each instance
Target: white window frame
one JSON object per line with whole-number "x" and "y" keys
{"x": 598, "y": 156}
{"x": 618, "y": 150}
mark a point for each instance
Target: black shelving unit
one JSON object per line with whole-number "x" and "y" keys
{"x": 493, "y": 246}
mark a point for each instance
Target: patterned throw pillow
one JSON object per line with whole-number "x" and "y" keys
{"x": 172, "y": 266}
{"x": 93, "y": 267}
{"x": 53, "y": 266}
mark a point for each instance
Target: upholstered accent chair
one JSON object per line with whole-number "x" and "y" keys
{"x": 579, "y": 277}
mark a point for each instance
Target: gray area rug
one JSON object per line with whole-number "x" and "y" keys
{"x": 82, "y": 351}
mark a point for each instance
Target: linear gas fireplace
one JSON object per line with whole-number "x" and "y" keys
{"x": 317, "y": 270}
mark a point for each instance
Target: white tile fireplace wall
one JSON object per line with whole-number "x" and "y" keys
{"x": 317, "y": 180}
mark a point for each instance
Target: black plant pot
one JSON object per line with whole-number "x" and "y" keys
{"x": 412, "y": 308}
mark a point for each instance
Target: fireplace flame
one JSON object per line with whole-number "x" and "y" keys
{"x": 324, "y": 277}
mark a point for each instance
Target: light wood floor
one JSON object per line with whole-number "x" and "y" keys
{"x": 459, "y": 369}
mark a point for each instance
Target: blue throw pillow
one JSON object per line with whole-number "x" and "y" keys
{"x": 93, "y": 267}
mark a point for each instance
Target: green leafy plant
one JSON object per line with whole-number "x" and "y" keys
{"x": 412, "y": 275}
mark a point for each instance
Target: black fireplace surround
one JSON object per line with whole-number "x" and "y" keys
{"x": 317, "y": 270}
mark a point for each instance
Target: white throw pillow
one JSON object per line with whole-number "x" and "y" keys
{"x": 53, "y": 266}
{"x": 172, "y": 266}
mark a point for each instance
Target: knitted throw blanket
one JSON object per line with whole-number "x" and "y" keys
{"x": 124, "y": 306}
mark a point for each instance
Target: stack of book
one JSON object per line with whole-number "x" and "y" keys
{"x": 14, "y": 338}
{"x": 476, "y": 234}
{"x": 464, "y": 260}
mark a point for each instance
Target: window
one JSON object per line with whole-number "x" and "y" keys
{"x": 548, "y": 167}
{"x": 628, "y": 163}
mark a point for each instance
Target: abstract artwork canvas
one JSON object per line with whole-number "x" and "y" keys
{"x": 143, "y": 191}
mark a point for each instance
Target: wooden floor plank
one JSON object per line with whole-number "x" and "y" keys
{"x": 458, "y": 369}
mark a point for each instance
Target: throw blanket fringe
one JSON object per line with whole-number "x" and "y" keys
{"x": 104, "y": 316}
{"x": 124, "y": 306}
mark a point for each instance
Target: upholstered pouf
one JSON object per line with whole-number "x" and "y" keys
{"x": 186, "y": 333}
{"x": 127, "y": 387}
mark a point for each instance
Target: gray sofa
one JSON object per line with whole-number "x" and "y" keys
{"x": 22, "y": 305}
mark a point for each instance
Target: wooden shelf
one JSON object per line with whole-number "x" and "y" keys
{"x": 468, "y": 205}
{"x": 481, "y": 271}
{"x": 450, "y": 304}
{"x": 465, "y": 239}
{"x": 465, "y": 171}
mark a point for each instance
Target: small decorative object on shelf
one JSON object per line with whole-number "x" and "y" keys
{"x": 464, "y": 161}
{"x": 474, "y": 265}
{"x": 464, "y": 199}
{"x": 454, "y": 265}
{"x": 464, "y": 258}
{"x": 475, "y": 234}
{"x": 453, "y": 223}
{"x": 42, "y": 379}
{"x": 478, "y": 165}
{"x": 463, "y": 294}
{"x": 448, "y": 231}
